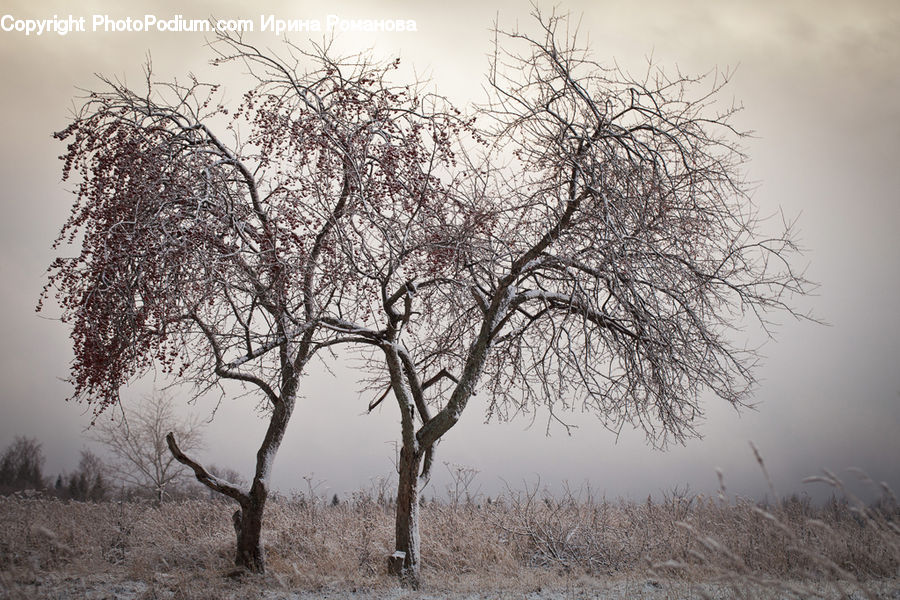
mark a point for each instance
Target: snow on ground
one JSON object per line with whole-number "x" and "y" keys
{"x": 167, "y": 586}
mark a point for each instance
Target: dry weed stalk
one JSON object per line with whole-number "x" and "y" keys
{"x": 792, "y": 547}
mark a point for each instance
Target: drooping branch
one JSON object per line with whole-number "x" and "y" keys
{"x": 205, "y": 477}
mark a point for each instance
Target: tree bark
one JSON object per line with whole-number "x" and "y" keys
{"x": 250, "y": 553}
{"x": 407, "y": 522}
{"x": 248, "y": 527}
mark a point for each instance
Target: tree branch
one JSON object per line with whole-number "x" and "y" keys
{"x": 204, "y": 476}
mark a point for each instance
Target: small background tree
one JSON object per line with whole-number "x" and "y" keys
{"x": 21, "y": 467}
{"x": 137, "y": 442}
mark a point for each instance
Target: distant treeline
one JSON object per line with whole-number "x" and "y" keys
{"x": 22, "y": 470}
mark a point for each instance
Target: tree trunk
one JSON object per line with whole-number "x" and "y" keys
{"x": 248, "y": 527}
{"x": 407, "y": 523}
{"x": 250, "y": 554}
{"x": 248, "y": 520}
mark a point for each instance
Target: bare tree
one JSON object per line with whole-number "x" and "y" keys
{"x": 138, "y": 444}
{"x": 600, "y": 254}
{"x": 212, "y": 239}
{"x": 21, "y": 466}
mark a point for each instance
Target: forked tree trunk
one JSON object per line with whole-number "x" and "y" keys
{"x": 248, "y": 520}
{"x": 407, "y": 523}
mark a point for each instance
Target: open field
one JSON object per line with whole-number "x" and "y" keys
{"x": 523, "y": 545}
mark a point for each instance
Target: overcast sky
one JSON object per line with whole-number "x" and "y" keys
{"x": 820, "y": 84}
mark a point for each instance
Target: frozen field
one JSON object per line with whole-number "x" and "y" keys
{"x": 518, "y": 547}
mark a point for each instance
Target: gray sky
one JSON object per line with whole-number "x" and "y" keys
{"x": 821, "y": 88}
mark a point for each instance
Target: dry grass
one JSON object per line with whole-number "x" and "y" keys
{"x": 525, "y": 544}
